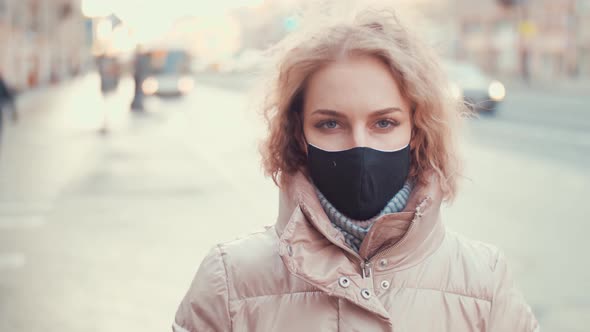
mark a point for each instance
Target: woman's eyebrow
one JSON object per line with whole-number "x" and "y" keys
{"x": 386, "y": 111}
{"x": 373, "y": 113}
{"x": 328, "y": 113}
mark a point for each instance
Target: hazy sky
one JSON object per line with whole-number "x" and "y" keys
{"x": 161, "y": 10}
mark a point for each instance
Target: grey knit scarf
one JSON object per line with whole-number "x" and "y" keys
{"x": 354, "y": 231}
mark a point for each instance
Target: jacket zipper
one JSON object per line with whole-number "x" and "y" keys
{"x": 366, "y": 268}
{"x": 366, "y": 265}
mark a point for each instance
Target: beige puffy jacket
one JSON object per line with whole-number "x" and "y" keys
{"x": 411, "y": 275}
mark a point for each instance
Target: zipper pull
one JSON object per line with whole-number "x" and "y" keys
{"x": 366, "y": 269}
{"x": 419, "y": 213}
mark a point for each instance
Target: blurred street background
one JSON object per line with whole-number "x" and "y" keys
{"x": 128, "y": 147}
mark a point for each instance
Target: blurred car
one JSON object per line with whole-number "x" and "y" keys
{"x": 480, "y": 92}
{"x": 169, "y": 73}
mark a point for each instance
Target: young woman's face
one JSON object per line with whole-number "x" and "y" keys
{"x": 355, "y": 103}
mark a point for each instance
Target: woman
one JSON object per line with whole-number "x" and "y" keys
{"x": 361, "y": 145}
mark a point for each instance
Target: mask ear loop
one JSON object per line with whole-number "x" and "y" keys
{"x": 306, "y": 150}
{"x": 413, "y": 132}
{"x": 305, "y": 143}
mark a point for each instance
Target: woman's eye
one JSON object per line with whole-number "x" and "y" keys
{"x": 382, "y": 124}
{"x": 330, "y": 124}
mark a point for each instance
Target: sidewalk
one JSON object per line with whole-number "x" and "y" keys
{"x": 26, "y": 99}
{"x": 107, "y": 217}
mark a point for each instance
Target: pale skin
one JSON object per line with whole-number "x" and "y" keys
{"x": 356, "y": 102}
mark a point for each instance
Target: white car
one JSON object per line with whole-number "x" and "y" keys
{"x": 169, "y": 73}
{"x": 168, "y": 84}
{"x": 479, "y": 92}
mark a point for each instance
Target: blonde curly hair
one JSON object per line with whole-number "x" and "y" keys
{"x": 415, "y": 66}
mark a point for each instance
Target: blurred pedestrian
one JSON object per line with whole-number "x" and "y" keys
{"x": 109, "y": 71}
{"x": 7, "y": 102}
{"x": 140, "y": 73}
{"x": 362, "y": 143}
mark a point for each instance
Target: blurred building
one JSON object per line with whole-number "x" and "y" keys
{"x": 541, "y": 39}
{"x": 41, "y": 41}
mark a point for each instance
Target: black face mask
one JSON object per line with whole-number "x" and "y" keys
{"x": 359, "y": 182}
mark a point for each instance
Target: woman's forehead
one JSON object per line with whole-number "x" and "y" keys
{"x": 361, "y": 83}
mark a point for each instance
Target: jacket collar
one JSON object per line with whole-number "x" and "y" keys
{"x": 304, "y": 227}
{"x": 316, "y": 251}
{"x": 313, "y": 250}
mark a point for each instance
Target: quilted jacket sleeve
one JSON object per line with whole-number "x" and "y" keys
{"x": 509, "y": 312}
{"x": 205, "y": 305}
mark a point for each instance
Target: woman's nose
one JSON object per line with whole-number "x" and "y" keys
{"x": 359, "y": 137}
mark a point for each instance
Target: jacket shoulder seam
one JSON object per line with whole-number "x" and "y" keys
{"x": 274, "y": 295}
{"x": 179, "y": 328}
{"x": 451, "y": 292}
{"x": 227, "y": 283}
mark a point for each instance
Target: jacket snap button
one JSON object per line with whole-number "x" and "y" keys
{"x": 366, "y": 294}
{"x": 385, "y": 284}
{"x": 344, "y": 282}
{"x": 383, "y": 262}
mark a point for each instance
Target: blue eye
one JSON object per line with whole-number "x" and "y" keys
{"x": 384, "y": 124}
{"x": 331, "y": 124}
{"x": 328, "y": 124}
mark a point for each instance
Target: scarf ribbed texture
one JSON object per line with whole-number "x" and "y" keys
{"x": 354, "y": 231}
